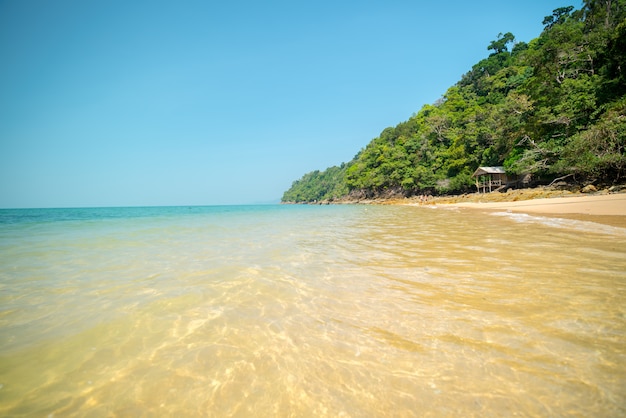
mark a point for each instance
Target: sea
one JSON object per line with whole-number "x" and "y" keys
{"x": 310, "y": 311}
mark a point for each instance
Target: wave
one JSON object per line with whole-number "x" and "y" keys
{"x": 556, "y": 222}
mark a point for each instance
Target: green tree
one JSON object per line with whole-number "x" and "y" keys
{"x": 558, "y": 16}
{"x": 551, "y": 107}
{"x": 500, "y": 44}
{"x": 599, "y": 151}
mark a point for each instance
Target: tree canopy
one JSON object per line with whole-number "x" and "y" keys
{"x": 552, "y": 107}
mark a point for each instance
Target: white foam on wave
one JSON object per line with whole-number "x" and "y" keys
{"x": 583, "y": 226}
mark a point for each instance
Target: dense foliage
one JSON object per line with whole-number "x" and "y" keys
{"x": 553, "y": 107}
{"x": 318, "y": 186}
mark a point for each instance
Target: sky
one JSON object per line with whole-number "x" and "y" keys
{"x": 183, "y": 102}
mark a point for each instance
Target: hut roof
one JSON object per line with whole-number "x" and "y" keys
{"x": 481, "y": 171}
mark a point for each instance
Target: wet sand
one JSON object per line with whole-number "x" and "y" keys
{"x": 599, "y": 205}
{"x": 606, "y": 208}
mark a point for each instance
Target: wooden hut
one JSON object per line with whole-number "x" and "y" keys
{"x": 489, "y": 179}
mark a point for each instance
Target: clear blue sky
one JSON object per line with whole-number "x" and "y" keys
{"x": 122, "y": 102}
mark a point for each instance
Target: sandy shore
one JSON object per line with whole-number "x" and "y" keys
{"x": 603, "y": 206}
{"x": 599, "y": 205}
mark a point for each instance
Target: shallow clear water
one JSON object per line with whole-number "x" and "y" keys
{"x": 309, "y": 311}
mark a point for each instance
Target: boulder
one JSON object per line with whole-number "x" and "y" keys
{"x": 590, "y": 188}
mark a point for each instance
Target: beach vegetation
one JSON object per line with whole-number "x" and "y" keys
{"x": 318, "y": 186}
{"x": 552, "y": 107}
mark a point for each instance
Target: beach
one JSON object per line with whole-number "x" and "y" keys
{"x": 595, "y": 205}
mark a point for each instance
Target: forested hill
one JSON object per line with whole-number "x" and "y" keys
{"x": 553, "y": 107}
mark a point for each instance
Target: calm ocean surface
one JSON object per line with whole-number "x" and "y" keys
{"x": 359, "y": 311}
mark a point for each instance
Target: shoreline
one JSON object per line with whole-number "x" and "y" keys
{"x": 604, "y": 207}
{"x": 608, "y": 209}
{"x": 596, "y": 205}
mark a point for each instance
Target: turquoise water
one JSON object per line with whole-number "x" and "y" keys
{"x": 309, "y": 311}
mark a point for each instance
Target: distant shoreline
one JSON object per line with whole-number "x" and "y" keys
{"x": 606, "y": 206}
